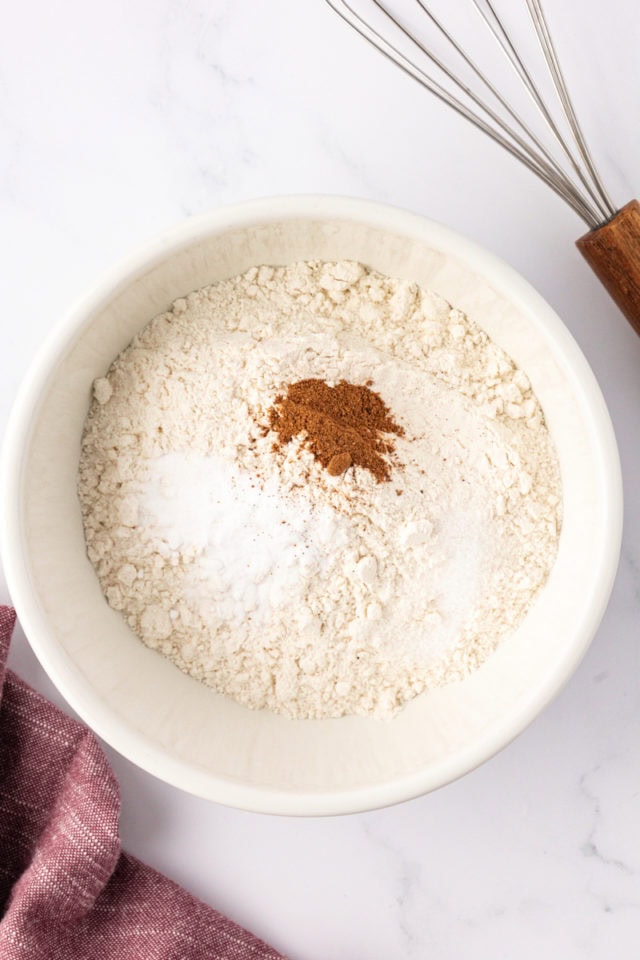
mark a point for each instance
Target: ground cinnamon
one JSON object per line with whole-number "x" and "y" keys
{"x": 344, "y": 425}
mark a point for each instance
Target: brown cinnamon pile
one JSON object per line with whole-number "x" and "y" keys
{"x": 342, "y": 426}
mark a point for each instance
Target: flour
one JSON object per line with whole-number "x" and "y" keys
{"x": 257, "y": 572}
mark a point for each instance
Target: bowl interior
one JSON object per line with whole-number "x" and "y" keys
{"x": 205, "y": 742}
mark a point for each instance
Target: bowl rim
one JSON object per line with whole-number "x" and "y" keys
{"x": 139, "y": 748}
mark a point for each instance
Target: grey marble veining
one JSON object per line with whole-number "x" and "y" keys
{"x": 119, "y": 121}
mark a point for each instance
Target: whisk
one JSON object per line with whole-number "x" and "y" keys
{"x": 612, "y": 245}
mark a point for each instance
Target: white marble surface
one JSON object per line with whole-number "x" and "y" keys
{"x": 120, "y": 119}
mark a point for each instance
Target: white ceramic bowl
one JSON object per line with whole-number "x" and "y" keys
{"x": 182, "y": 731}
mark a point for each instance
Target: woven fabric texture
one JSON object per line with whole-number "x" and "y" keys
{"x": 67, "y": 891}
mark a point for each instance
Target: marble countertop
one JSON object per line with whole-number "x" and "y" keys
{"x": 122, "y": 119}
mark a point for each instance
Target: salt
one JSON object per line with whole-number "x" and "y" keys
{"x": 255, "y": 548}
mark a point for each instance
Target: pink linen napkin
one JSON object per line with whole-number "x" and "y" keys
{"x": 67, "y": 891}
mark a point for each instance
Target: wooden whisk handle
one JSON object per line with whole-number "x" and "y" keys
{"x": 613, "y": 253}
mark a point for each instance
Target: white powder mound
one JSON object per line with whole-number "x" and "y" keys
{"x": 252, "y": 568}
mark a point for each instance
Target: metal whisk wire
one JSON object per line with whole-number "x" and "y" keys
{"x": 585, "y": 193}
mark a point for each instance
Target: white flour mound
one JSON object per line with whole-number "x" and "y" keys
{"x": 255, "y": 571}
